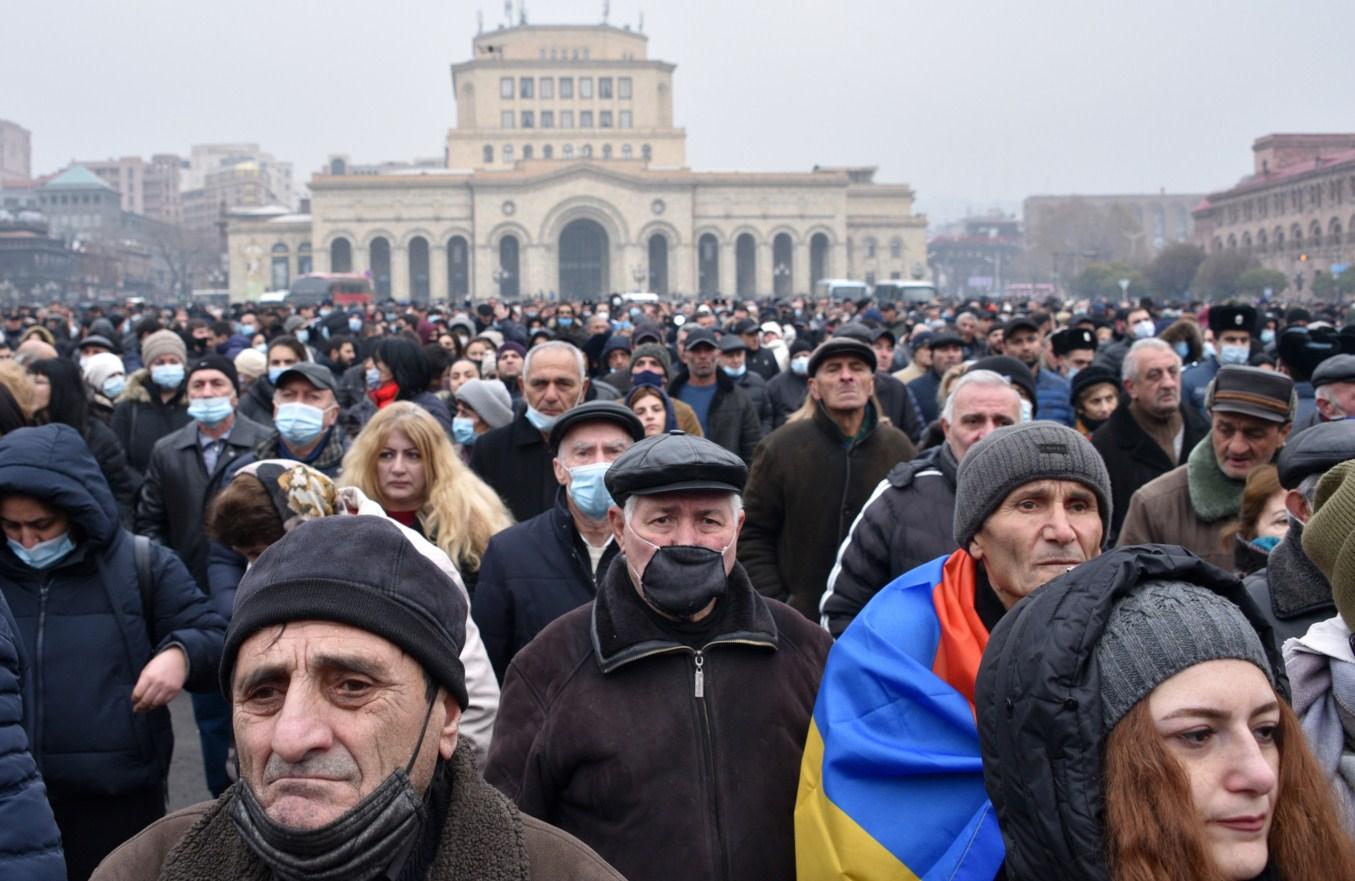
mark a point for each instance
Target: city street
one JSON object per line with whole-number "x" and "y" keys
{"x": 186, "y": 783}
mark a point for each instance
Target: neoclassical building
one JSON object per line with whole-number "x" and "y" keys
{"x": 565, "y": 175}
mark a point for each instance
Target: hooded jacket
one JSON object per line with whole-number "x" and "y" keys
{"x": 140, "y": 418}
{"x": 85, "y": 632}
{"x": 1038, "y": 702}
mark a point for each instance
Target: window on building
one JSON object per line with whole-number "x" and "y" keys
{"x": 528, "y": 119}
{"x": 527, "y": 151}
{"x": 489, "y": 153}
{"x": 547, "y": 152}
{"x": 624, "y": 119}
{"x": 606, "y": 151}
{"x": 548, "y": 119}
{"x": 604, "y": 87}
{"x": 623, "y": 87}
{"x": 507, "y": 152}
{"x": 626, "y": 151}
{"x": 870, "y": 248}
{"x": 586, "y": 151}
{"x": 547, "y": 85}
{"x": 585, "y": 119}
{"x": 585, "y": 87}
{"x": 280, "y": 277}
{"x": 605, "y": 119}
{"x": 896, "y": 248}
{"x": 506, "y": 119}
{"x": 526, "y": 87}
{"x": 568, "y": 151}
{"x": 305, "y": 262}
{"x": 566, "y": 119}
{"x": 506, "y": 87}
{"x": 566, "y": 87}
{"x": 647, "y": 152}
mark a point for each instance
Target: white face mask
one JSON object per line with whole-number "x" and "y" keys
{"x": 1027, "y": 410}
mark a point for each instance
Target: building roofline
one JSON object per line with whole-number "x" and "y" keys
{"x": 601, "y": 26}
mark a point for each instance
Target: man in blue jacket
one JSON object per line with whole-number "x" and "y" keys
{"x": 1022, "y": 340}
{"x": 537, "y": 570}
{"x": 108, "y": 642}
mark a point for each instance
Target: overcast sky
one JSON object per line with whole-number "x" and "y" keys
{"x": 974, "y": 104}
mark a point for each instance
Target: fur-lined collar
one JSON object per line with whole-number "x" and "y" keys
{"x": 1214, "y": 495}
{"x": 142, "y": 389}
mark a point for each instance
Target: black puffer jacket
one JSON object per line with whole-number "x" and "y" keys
{"x": 907, "y": 522}
{"x": 1038, "y": 702}
{"x": 786, "y": 391}
{"x": 755, "y": 387}
{"x": 256, "y": 402}
{"x": 140, "y": 418}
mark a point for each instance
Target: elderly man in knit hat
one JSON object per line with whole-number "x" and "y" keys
{"x": 1291, "y": 591}
{"x": 1031, "y": 502}
{"x": 1194, "y": 504}
{"x": 342, "y": 665}
{"x": 1321, "y": 663}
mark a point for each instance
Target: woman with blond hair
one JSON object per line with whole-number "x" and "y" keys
{"x": 404, "y": 462}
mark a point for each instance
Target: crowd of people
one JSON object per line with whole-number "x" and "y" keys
{"x": 687, "y": 589}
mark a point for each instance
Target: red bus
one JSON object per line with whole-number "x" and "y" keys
{"x": 340, "y": 288}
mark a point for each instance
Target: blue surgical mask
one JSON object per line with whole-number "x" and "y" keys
{"x": 210, "y": 411}
{"x": 1234, "y": 354}
{"x": 44, "y": 554}
{"x": 588, "y": 491}
{"x": 1072, "y": 371}
{"x": 373, "y": 377}
{"x": 734, "y": 372}
{"x": 800, "y": 366}
{"x": 248, "y": 329}
{"x": 274, "y": 373}
{"x": 355, "y": 324}
{"x": 1182, "y": 349}
{"x": 463, "y": 430}
{"x": 539, "y": 419}
{"x": 1266, "y": 543}
{"x": 1267, "y": 337}
{"x": 565, "y": 320}
{"x": 303, "y": 335}
{"x": 167, "y": 376}
{"x": 299, "y": 423}
{"x": 113, "y": 386}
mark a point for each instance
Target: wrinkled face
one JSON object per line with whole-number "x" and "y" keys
{"x": 554, "y": 385}
{"x": 651, "y": 412}
{"x": 210, "y": 384}
{"x": 843, "y": 383}
{"x": 699, "y": 519}
{"x": 1242, "y": 442}
{"x": 460, "y": 372}
{"x": 297, "y": 390}
{"x": 1157, "y": 387}
{"x": 323, "y": 713}
{"x": 1038, "y": 532}
{"x": 510, "y": 363}
{"x": 700, "y": 361}
{"x": 28, "y": 521}
{"x": 1099, "y": 401}
{"x": 1219, "y": 719}
{"x": 400, "y": 473}
{"x": 588, "y": 444}
{"x": 1337, "y": 401}
{"x": 979, "y": 411}
{"x": 966, "y": 325}
{"x": 946, "y": 357}
{"x": 1023, "y": 344}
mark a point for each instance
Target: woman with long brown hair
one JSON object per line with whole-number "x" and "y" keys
{"x": 1135, "y": 727}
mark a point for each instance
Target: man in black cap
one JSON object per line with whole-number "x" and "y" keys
{"x": 305, "y": 416}
{"x": 726, "y": 414}
{"x": 663, "y": 723}
{"x": 788, "y": 389}
{"x": 1193, "y": 505}
{"x": 760, "y": 359}
{"x": 1233, "y": 327}
{"x": 537, "y": 570}
{"x": 1300, "y": 351}
{"x": 947, "y": 350}
{"x": 811, "y": 477}
{"x": 1022, "y": 339}
{"x": 1291, "y": 590}
{"x": 1074, "y": 349}
{"x": 1333, "y": 391}
{"x": 733, "y": 359}
{"x": 342, "y": 664}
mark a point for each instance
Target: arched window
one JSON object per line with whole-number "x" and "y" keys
{"x": 818, "y": 258}
{"x": 280, "y": 277}
{"x": 507, "y": 274}
{"x": 305, "y": 263}
{"x": 586, "y": 151}
{"x": 708, "y": 264}
{"x": 783, "y": 263}
{"x": 489, "y": 154}
{"x": 547, "y": 151}
{"x": 527, "y": 151}
{"x": 606, "y": 151}
{"x": 745, "y": 264}
{"x": 626, "y": 151}
{"x": 507, "y": 153}
{"x": 379, "y": 260}
{"x": 568, "y": 150}
{"x": 341, "y": 255}
{"x": 419, "y": 280}
{"x": 458, "y": 267}
{"x": 658, "y": 263}
{"x": 646, "y": 152}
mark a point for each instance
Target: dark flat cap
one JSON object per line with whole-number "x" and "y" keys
{"x": 855, "y": 330}
{"x": 1070, "y": 339}
{"x": 746, "y": 325}
{"x": 884, "y": 333}
{"x": 944, "y": 338}
{"x": 674, "y": 462}
{"x": 1337, "y": 368}
{"x": 1315, "y": 450}
{"x": 595, "y": 411}
{"x": 1015, "y": 371}
{"x": 1252, "y": 391}
{"x": 700, "y": 336}
{"x": 732, "y": 342}
{"x": 317, "y": 375}
{"x": 1020, "y": 322}
{"x": 1229, "y": 317}
{"x": 97, "y": 340}
{"x": 841, "y": 345}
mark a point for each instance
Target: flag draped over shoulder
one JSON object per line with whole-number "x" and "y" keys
{"x": 891, "y": 783}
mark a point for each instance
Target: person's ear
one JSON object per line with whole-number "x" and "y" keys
{"x": 1297, "y": 506}
{"x": 561, "y": 472}
{"x": 616, "y": 519}
{"x": 451, "y": 727}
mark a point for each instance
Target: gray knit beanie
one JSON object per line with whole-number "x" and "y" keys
{"x": 489, "y": 399}
{"x": 654, "y": 350}
{"x": 1016, "y": 455}
{"x": 163, "y": 342}
{"x": 1161, "y": 628}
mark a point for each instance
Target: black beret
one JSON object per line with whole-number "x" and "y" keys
{"x": 1315, "y": 450}
{"x": 1337, "y": 368}
{"x": 1070, "y": 339}
{"x": 841, "y": 345}
{"x": 595, "y": 411}
{"x": 674, "y": 462}
{"x": 1229, "y": 317}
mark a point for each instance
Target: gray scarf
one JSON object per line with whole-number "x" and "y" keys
{"x": 1324, "y": 699}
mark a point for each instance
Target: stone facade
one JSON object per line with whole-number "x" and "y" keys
{"x": 16, "y": 152}
{"x": 1295, "y": 212}
{"x": 603, "y": 209}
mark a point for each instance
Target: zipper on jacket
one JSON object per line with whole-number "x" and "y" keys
{"x": 708, "y": 752}
{"x": 700, "y": 662}
{"x": 38, "y": 664}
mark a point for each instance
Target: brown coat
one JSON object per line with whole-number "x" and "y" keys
{"x": 1161, "y": 513}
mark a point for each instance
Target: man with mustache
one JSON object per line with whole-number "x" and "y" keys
{"x": 892, "y": 781}
{"x": 342, "y": 662}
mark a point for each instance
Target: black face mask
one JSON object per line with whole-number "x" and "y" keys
{"x": 681, "y": 580}
{"x": 358, "y": 846}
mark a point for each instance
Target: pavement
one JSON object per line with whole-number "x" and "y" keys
{"x": 187, "y": 785}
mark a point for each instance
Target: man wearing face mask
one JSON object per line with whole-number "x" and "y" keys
{"x": 538, "y": 570}
{"x": 515, "y": 459}
{"x": 697, "y": 688}
{"x": 733, "y": 359}
{"x": 305, "y": 412}
{"x": 1233, "y": 327}
{"x": 153, "y": 403}
{"x": 1137, "y": 325}
{"x": 342, "y": 661}
{"x": 788, "y": 389}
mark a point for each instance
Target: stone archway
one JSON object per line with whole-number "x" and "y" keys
{"x": 585, "y": 259}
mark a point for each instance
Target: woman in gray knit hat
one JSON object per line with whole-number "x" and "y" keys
{"x": 1135, "y": 726}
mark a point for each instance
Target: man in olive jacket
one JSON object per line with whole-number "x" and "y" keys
{"x": 811, "y": 477}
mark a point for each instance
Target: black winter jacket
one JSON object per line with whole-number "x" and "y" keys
{"x": 531, "y": 574}
{"x": 805, "y": 488}
{"x": 762, "y": 362}
{"x": 786, "y": 391}
{"x": 908, "y": 521}
{"x": 1133, "y": 458}
{"x": 172, "y": 508}
{"x": 899, "y": 405}
{"x": 673, "y": 762}
{"x": 1038, "y": 702}
{"x": 256, "y": 403}
{"x": 515, "y": 460}
{"x": 733, "y": 420}
{"x": 84, "y": 628}
{"x": 122, "y": 481}
{"x": 755, "y": 387}
{"x": 140, "y": 419}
